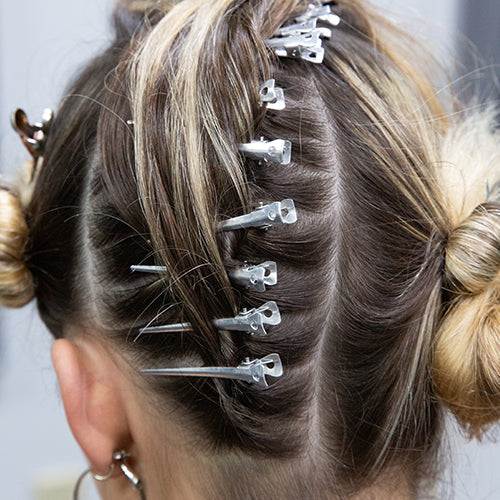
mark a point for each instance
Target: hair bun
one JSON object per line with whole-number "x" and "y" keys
{"x": 16, "y": 281}
{"x": 467, "y": 349}
{"x": 473, "y": 253}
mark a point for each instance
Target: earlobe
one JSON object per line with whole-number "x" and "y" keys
{"x": 92, "y": 401}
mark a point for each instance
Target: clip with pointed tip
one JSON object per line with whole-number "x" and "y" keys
{"x": 307, "y": 46}
{"x": 251, "y": 371}
{"x": 255, "y": 277}
{"x": 272, "y": 96}
{"x": 322, "y": 12}
{"x": 251, "y": 277}
{"x": 303, "y": 27}
{"x": 251, "y": 322}
{"x": 149, "y": 269}
{"x": 33, "y": 135}
{"x": 265, "y": 216}
{"x": 277, "y": 151}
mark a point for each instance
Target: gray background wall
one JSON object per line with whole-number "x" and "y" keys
{"x": 41, "y": 44}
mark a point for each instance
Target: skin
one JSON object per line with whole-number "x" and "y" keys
{"x": 106, "y": 411}
{"x": 105, "y": 414}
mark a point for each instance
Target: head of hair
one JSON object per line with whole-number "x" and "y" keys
{"x": 388, "y": 283}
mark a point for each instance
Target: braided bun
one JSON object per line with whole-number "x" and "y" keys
{"x": 467, "y": 350}
{"x": 16, "y": 281}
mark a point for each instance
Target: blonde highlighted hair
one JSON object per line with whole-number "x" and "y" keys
{"x": 467, "y": 343}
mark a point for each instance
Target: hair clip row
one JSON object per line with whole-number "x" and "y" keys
{"x": 303, "y": 39}
{"x": 251, "y": 322}
{"x": 253, "y": 372}
{"x": 304, "y": 46}
{"x": 279, "y": 150}
{"x": 263, "y": 217}
{"x": 254, "y": 277}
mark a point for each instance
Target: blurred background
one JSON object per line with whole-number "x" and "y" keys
{"x": 41, "y": 46}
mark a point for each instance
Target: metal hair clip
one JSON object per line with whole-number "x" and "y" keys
{"x": 271, "y": 95}
{"x": 251, "y": 322}
{"x": 34, "y": 135}
{"x": 265, "y": 216}
{"x": 255, "y": 277}
{"x": 253, "y": 372}
{"x": 149, "y": 269}
{"x": 304, "y": 27}
{"x": 322, "y": 12}
{"x": 277, "y": 151}
{"x": 307, "y": 46}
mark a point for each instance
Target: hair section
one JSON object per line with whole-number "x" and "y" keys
{"x": 142, "y": 163}
{"x": 467, "y": 343}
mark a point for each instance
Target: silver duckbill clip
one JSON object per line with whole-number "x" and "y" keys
{"x": 277, "y": 151}
{"x": 272, "y": 96}
{"x": 322, "y": 12}
{"x": 265, "y": 216}
{"x": 303, "y": 27}
{"x": 251, "y": 322}
{"x": 255, "y": 277}
{"x": 303, "y": 39}
{"x": 252, "y": 277}
{"x": 253, "y": 372}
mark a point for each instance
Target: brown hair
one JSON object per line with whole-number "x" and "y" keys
{"x": 360, "y": 285}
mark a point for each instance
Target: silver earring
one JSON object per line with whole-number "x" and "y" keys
{"x": 119, "y": 458}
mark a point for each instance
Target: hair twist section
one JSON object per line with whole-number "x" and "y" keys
{"x": 183, "y": 175}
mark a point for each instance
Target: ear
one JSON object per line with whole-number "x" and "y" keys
{"x": 92, "y": 392}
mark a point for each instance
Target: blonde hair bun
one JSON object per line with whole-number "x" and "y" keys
{"x": 16, "y": 281}
{"x": 467, "y": 349}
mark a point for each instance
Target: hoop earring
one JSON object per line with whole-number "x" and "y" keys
{"x": 118, "y": 457}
